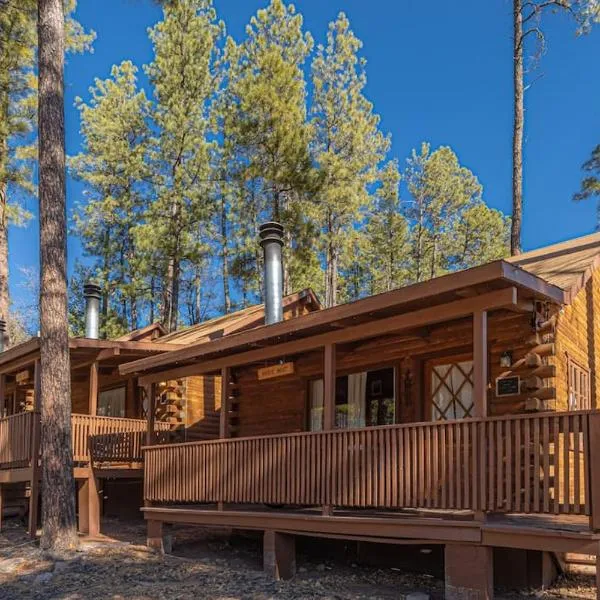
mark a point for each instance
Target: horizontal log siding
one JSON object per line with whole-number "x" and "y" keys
{"x": 280, "y": 405}
{"x": 530, "y": 464}
{"x": 15, "y": 440}
{"x": 578, "y": 337}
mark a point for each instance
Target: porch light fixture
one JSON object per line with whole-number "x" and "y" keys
{"x": 506, "y": 359}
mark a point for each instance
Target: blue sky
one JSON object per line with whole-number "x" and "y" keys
{"x": 438, "y": 71}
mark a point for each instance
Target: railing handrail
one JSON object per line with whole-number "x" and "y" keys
{"x": 416, "y": 425}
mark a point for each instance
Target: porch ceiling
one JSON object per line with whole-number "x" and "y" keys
{"x": 480, "y": 287}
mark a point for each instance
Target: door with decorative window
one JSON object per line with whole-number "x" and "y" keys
{"x": 450, "y": 389}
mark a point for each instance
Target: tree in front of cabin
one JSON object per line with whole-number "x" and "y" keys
{"x": 265, "y": 129}
{"x": 59, "y": 532}
{"x": 347, "y": 144}
{"x": 112, "y": 163}
{"x": 185, "y": 79}
{"x": 447, "y": 215}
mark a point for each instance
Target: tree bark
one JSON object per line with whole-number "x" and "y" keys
{"x": 4, "y": 297}
{"x": 518, "y": 118}
{"x": 331, "y": 273}
{"x": 59, "y": 531}
{"x": 225, "y": 252}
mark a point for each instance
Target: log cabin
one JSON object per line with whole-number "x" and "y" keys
{"x": 460, "y": 411}
{"x": 109, "y": 411}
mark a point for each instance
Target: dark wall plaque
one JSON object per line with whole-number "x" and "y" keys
{"x": 508, "y": 386}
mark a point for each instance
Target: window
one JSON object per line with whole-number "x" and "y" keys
{"x": 361, "y": 400}
{"x": 111, "y": 403}
{"x": 452, "y": 390}
{"x": 579, "y": 386}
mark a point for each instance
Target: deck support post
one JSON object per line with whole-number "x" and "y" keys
{"x": 480, "y": 364}
{"x": 35, "y": 452}
{"x": 469, "y": 572}
{"x": 598, "y": 573}
{"x": 329, "y": 379}
{"x": 1, "y": 505}
{"x": 279, "y": 554}
{"x": 224, "y": 430}
{"x": 154, "y": 535}
{"x": 3, "y": 407}
{"x": 89, "y": 506}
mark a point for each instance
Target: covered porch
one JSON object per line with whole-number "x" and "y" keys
{"x": 108, "y": 424}
{"x": 383, "y": 420}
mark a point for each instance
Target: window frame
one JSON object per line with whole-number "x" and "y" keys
{"x": 574, "y": 365}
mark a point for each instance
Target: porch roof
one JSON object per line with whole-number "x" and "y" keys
{"x": 482, "y": 286}
{"x": 83, "y": 351}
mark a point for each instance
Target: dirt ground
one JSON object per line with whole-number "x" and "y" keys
{"x": 205, "y": 565}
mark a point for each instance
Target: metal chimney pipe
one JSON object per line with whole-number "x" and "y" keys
{"x": 2, "y": 334}
{"x": 92, "y": 295}
{"x": 271, "y": 240}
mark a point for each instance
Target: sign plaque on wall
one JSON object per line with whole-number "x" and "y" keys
{"x": 273, "y": 371}
{"x": 508, "y": 386}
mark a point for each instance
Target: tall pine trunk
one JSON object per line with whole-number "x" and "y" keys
{"x": 4, "y": 297}
{"x": 518, "y": 117}
{"x": 225, "y": 256}
{"x": 331, "y": 274}
{"x": 58, "y": 485}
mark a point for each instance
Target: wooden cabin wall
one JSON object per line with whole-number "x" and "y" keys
{"x": 202, "y": 405}
{"x": 577, "y": 337}
{"x": 280, "y": 405}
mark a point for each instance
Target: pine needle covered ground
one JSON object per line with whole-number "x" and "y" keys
{"x": 204, "y": 566}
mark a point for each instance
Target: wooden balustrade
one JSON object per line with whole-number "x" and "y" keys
{"x": 15, "y": 440}
{"x": 524, "y": 463}
{"x": 124, "y": 447}
{"x": 110, "y": 437}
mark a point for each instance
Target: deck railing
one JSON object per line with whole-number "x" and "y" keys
{"x": 118, "y": 439}
{"x": 524, "y": 463}
{"x": 15, "y": 440}
{"x": 110, "y": 438}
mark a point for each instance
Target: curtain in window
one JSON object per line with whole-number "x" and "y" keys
{"x": 357, "y": 394}
{"x": 316, "y": 405}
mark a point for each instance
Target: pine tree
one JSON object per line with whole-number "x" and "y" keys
{"x": 387, "y": 235}
{"x": 115, "y": 132}
{"x": 185, "y": 82}
{"x": 449, "y": 221}
{"x": 58, "y": 509}
{"x": 347, "y": 146}
{"x": 590, "y": 186}
{"x": 264, "y": 124}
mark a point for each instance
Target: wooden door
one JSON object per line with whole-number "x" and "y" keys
{"x": 449, "y": 392}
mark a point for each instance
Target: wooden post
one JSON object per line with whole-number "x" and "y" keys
{"x": 130, "y": 403}
{"x": 279, "y": 555}
{"x": 93, "y": 392}
{"x": 329, "y": 376}
{"x": 480, "y": 363}
{"x": 154, "y": 536}
{"x": 224, "y": 416}
{"x": 35, "y": 452}
{"x": 469, "y": 572}
{"x": 1, "y": 505}
{"x": 593, "y": 469}
{"x": 3, "y": 410}
{"x": 151, "y": 399}
{"x": 598, "y": 573}
{"x": 89, "y": 506}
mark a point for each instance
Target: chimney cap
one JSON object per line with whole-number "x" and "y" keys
{"x": 92, "y": 290}
{"x": 271, "y": 232}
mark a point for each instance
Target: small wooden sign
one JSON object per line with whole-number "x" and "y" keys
{"x": 508, "y": 386}
{"x": 276, "y": 371}
{"x": 22, "y": 377}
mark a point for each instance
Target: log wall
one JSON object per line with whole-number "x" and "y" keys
{"x": 280, "y": 405}
{"x": 578, "y": 337}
